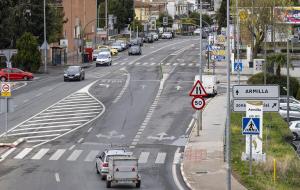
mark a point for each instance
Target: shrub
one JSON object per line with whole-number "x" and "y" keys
{"x": 280, "y": 80}
{"x": 298, "y": 94}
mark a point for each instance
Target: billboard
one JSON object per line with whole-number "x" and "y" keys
{"x": 287, "y": 15}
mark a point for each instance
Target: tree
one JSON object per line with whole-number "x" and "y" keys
{"x": 136, "y": 24}
{"x": 278, "y": 61}
{"x": 20, "y": 16}
{"x": 159, "y": 21}
{"x": 221, "y": 16}
{"x": 207, "y": 20}
{"x": 28, "y": 56}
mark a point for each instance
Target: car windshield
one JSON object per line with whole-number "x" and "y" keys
{"x": 135, "y": 47}
{"x": 116, "y": 44}
{"x": 103, "y": 50}
{"x": 73, "y": 69}
{"x": 102, "y": 56}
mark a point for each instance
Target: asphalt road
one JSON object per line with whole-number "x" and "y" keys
{"x": 127, "y": 105}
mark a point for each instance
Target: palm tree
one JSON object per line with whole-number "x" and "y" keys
{"x": 278, "y": 61}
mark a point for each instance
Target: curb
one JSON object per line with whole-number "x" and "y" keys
{"x": 14, "y": 144}
{"x": 181, "y": 164}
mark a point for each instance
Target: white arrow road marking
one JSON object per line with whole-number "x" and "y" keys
{"x": 112, "y": 134}
{"x": 106, "y": 85}
{"x": 57, "y": 177}
{"x": 161, "y": 136}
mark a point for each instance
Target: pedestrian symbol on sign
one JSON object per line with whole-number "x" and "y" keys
{"x": 251, "y": 126}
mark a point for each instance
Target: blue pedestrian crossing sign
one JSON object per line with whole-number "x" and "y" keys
{"x": 251, "y": 126}
{"x": 238, "y": 66}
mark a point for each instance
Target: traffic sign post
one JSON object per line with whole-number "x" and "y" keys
{"x": 198, "y": 103}
{"x": 255, "y": 91}
{"x": 238, "y": 66}
{"x": 198, "y": 90}
{"x": 5, "y": 89}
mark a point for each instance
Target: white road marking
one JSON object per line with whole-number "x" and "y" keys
{"x": 77, "y": 102}
{"x": 191, "y": 64}
{"x": 57, "y": 177}
{"x": 91, "y": 156}
{"x": 143, "y": 157}
{"x": 25, "y": 100}
{"x": 57, "y": 154}
{"x": 80, "y": 140}
{"x": 131, "y": 63}
{"x": 23, "y": 153}
{"x": 123, "y": 63}
{"x": 66, "y": 115}
{"x": 6, "y": 154}
{"x": 182, "y": 64}
{"x": 116, "y": 63}
{"x": 73, "y": 111}
{"x": 123, "y": 89}
{"x": 174, "y": 174}
{"x": 89, "y": 130}
{"x": 41, "y": 136}
{"x": 35, "y": 141}
{"x": 56, "y": 119}
{"x": 160, "y": 159}
{"x": 146, "y": 63}
{"x": 50, "y": 123}
{"x": 138, "y": 63}
{"x": 175, "y": 64}
{"x": 36, "y": 132}
{"x": 75, "y": 154}
{"x": 40, "y": 154}
{"x": 77, "y": 109}
{"x": 39, "y": 94}
{"x": 75, "y": 105}
{"x": 153, "y": 64}
{"x": 72, "y": 147}
{"x": 168, "y": 64}
{"x": 177, "y": 157}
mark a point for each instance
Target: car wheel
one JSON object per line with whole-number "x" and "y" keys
{"x": 97, "y": 169}
{"x": 103, "y": 177}
{"x": 25, "y": 78}
{"x": 65, "y": 80}
{"x": 108, "y": 184}
{"x": 138, "y": 184}
{"x": 295, "y": 136}
{"x": 3, "y": 79}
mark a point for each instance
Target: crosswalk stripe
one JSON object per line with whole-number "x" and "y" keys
{"x": 91, "y": 156}
{"x": 7, "y": 153}
{"x": 175, "y": 64}
{"x": 182, "y": 64}
{"x": 130, "y": 63}
{"x": 143, "y": 157}
{"x": 57, "y": 154}
{"x": 23, "y": 153}
{"x": 116, "y": 63}
{"x": 138, "y": 63}
{"x": 153, "y": 63}
{"x": 145, "y": 63}
{"x": 168, "y": 64}
{"x": 177, "y": 158}
{"x": 160, "y": 159}
{"x": 75, "y": 154}
{"x": 122, "y": 63}
{"x": 191, "y": 64}
{"x": 40, "y": 154}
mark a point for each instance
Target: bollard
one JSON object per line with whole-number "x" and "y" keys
{"x": 274, "y": 170}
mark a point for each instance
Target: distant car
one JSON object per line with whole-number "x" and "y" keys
{"x": 123, "y": 43}
{"x": 167, "y": 35}
{"x": 140, "y": 41}
{"x": 104, "y": 58}
{"x": 204, "y": 33}
{"x": 209, "y": 83}
{"x": 74, "y": 73}
{"x": 283, "y": 99}
{"x": 295, "y": 129}
{"x": 14, "y": 74}
{"x": 95, "y": 54}
{"x": 102, "y": 160}
{"x": 134, "y": 42}
{"x": 135, "y": 50}
{"x": 105, "y": 50}
{"x": 117, "y": 46}
{"x": 155, "y": 35}
{"x": 294, "y": 111}
{"x": 148, "y": 38}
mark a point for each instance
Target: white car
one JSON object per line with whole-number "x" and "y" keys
{"x": 283, "y": 99}
{"x": 167, "y": 35}
{"x": 295, "y": 129}
{"x": 197, "y": 31}
{"x": 294, "y": 111}
{"x": 95, "y": 54}
{"x": 103, "y": 58}
{"x": 102, "y": 166}
{"x": 155, "y": 35}
{"x": 209, "y": 83}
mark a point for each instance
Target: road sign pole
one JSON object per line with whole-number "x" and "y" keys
{"x": 250, "y": 157}
{"x": 288, "y": 81}
{"x": 6, "y": 117}
{"x": 228, "y": 151}
{"x": 238, "y": 38}
{"x": 200, "y": 70}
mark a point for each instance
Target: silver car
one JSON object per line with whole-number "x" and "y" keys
{"x": 295, "y": 129}
{"x": 294, "y": 111}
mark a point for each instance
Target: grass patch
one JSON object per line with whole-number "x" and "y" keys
{"x": 276, "y": 144}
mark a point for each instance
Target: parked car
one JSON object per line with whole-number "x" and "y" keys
{"x": 14, "y": 74}
{"x": 74, "y": 73}
{"x": 140, "y": 41}
{"x": 155, "y": 35}
{"x": 102, "y": 160}
{"x": 103, "y": 58}
{"x": 95, "y": 54}
{"x": 294, "y": 111}
{"x": 112, "y": 50}
{"x": 204, "y": 33}
{"x": 123, "y": 43}
{"x": 167, "y": 35}
{"x": 133, "y": 42}
{"x": 295, "y": 129}
{"x": 135, "y": 50}
{"x": 117, "y": 45}
{"x": 283, "y": 99}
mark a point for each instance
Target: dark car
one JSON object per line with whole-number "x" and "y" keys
{"x": 14, "y": 74}
{"x": 140, "y": 41}
{"x": 74, "y": 73}
{"x": 135, "y": 50}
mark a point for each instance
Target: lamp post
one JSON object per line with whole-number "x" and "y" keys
{"x": 45, "y": 39}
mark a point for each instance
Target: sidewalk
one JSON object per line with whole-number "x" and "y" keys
{"x": 203, "y": 164}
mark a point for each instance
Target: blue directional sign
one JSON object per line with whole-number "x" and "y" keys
{"x": 251, "y": 126}
{"x": 238, "y": 66}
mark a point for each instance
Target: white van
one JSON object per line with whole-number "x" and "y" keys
{"x": 209, "y": 83}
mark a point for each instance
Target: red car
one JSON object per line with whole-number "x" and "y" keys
{"x": 14, "y": 74}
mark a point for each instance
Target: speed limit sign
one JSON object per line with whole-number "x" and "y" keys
{"x": 198, "y": 103}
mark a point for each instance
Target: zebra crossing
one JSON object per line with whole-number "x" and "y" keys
{"x": 78, "y": 155}
{"x": 65, "y": 116}
{"x": 149, "y": 64}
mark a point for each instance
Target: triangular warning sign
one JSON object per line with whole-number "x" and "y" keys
{"x": 251, "y": 127}
{"x": 198, "y": 90}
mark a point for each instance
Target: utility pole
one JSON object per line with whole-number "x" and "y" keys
{"x": 228, "y": 151}
{"x": 265, "y": 57}
{"x": 288, "y": 80}
{"x": 199, "y": 126}
{"x": 45, "y": 39}
{"x": 252, "y": 33}
{"x": 106, "y": 21}
{"x": 238, "y": 39}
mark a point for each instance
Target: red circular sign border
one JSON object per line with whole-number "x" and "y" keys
{"x": 202, "y": 104}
